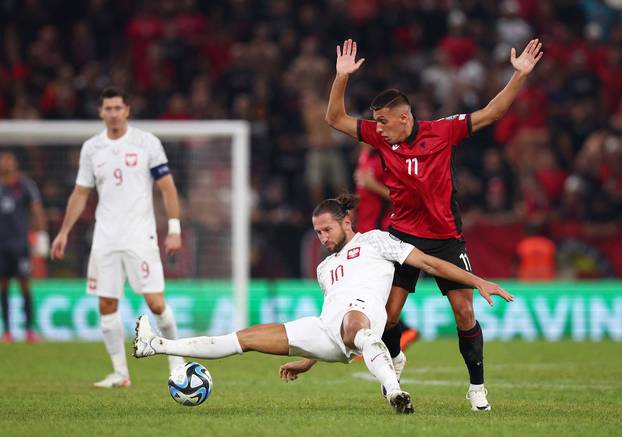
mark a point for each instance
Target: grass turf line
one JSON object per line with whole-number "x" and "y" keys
{"x": 535, "y": 388}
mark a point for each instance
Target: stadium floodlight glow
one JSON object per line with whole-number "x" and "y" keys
{"x": 75, "y": 132}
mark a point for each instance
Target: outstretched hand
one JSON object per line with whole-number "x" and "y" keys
{"x": 289, "y": 371}
{"x": 488, "y": 289}
{"x": 528, "y": 59}
{"x": 346, "y": 60}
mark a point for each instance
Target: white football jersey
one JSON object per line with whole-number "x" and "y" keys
{"x": 121, "y": 171}
{"x": 363, "y": 269}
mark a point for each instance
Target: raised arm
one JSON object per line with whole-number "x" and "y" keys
{"x": 166, "y": 185}
{"x": 499, "y": 105}
{"x": 437, "y": 267}
{"x": 75, "y": 207}
{"x": 347, "y": 64}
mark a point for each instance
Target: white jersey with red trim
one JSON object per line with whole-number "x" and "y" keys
{"x": 121, "y": 171}
{"x": 362, "y": 270}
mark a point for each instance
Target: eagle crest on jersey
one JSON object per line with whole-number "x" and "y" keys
{"x": 131, "y": 159}
{"x": 354, "y": 252}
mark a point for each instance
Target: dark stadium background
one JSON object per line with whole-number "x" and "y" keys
{"x": 551, "y": 167}
{"x": 546, "y": 176}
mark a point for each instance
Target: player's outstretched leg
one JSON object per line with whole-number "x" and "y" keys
{"x": 399, "y": 364}
{"x": 379, "y": 363}
{"x": 147, "y": 343}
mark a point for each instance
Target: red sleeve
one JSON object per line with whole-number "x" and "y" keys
{"x": 455, "y": 128}
{"x": 366, "y": 131}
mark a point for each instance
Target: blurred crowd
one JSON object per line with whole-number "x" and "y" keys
{"x": 557, "y": 155}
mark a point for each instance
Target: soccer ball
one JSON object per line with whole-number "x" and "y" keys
{"x": 190, "y": 384}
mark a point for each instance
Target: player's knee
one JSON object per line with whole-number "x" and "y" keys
{"x": 465, "y": 317}
{"x": 156, "y": 303}
{"x": 108, "y": 306}
{"x": 349, "y": 331}
{"x": 348, "y": 335}
{"x": 157, "y": 307}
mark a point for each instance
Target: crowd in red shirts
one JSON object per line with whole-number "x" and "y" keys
{"x": 556, "y": 156}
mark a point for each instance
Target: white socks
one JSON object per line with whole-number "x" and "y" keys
{"x": 166, "y": 323}
{"x": 399, "y": 359}
{"x": 201, "y": 347}
{"x": 114, "y": 336}
{"x": 168, "y": 329}
{"x": 377, "y": 358}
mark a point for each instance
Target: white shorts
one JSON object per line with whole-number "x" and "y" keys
{"x": 319, "y": 338}
{"x": 108, "y": 270}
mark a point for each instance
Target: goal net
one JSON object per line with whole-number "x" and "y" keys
{"x": 210, "y": 163}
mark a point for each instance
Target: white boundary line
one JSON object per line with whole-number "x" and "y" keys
{"x": 531, "y": 386}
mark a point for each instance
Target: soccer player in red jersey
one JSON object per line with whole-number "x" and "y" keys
{"x": 374, "y": 212}
{"x": 374, "y": 209}
{"x": 418, "y": 160}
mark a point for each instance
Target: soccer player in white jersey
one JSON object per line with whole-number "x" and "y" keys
{"x": 122, "y": 163}
{"x": 356, "y": 280}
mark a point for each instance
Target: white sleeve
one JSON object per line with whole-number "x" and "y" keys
{"x": 389, "y": 246}
{"x": 319, "y": 277}
{"x": 157, "y": 156}
{"x": 86, "y": 175}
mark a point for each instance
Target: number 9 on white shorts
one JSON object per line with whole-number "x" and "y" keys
{"x": 108, "y": 270}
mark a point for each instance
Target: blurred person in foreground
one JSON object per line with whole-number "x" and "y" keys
{"x": 356, "y": 280}
{"x": 122, "y": 162}
{"x": 419, "y": 160}
{"x": 20, "y": 201}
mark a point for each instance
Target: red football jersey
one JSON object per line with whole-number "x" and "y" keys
{"x": 373, "y": 211}
{"x": 420, "y": 175}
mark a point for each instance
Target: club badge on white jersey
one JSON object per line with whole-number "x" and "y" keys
{"x": 363, "y": 267}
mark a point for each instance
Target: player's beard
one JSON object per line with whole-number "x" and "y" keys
{"x": 339, "y": 243}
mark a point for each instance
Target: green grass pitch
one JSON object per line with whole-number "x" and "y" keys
{"x": 534, "y": 388}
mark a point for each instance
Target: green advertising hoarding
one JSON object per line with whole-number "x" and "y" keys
{"x": 589, "y": 311}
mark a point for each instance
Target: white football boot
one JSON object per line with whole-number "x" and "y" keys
{"x": 401, "y": 402}
{"x": 399, "y": 363}
{"x": 144, "y": 337}
{"x": 478, "y": 400}
{"x": 114, "y": 380}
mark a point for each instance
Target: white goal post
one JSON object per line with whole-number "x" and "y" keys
{"x": 75, "y": 132}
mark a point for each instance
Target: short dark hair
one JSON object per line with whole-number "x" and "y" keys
{"x": 338, "y": 207}
{"x": 112, "y": 91}
{"x": 389, "y": 99}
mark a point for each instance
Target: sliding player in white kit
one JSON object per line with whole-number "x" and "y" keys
{"x": 356, "y": 280}
{"x": 122, "y": 163}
